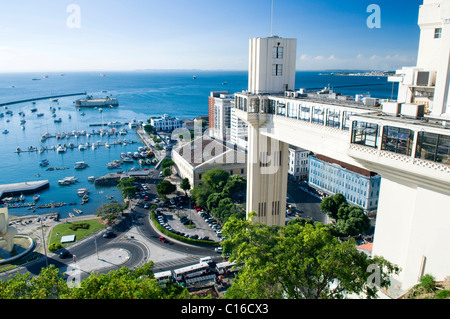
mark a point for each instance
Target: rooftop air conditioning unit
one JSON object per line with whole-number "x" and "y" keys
{"x": 391, "y": 108}
{"x": 412, "y": 110}
{"x": 426, "y": 78}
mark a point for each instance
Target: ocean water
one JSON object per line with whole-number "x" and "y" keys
{"x": 141, "y": 94}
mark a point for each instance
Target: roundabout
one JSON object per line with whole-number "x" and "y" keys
{"x": 22, "y": 245}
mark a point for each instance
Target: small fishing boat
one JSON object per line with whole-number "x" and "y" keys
{"x": 82, "y": 192}
{"x": 44, "y": 163}
{"x": 36, "y": 197}
{"x": 81, "y": 165}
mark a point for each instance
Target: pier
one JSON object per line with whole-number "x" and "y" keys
{"x": 23, "y": 188}
{"x": 41, "y": 98}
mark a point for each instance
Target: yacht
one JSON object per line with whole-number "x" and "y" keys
{"x": 68, "y": 180}
{"x": 44, "y": 163}
{"x": 91, "y": 179}
{"x": 81, "y": 165}
{"x": 107, "y": 145}
{"x": 128, "y": 159}
{"x": 113, "y": 164}
{"x": 82, "y": 192}
{"x": 82, "y": 147}
{"x": 61, "y": 149}
{"x": 36, "y": 197}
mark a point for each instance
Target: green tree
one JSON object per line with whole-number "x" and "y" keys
{"x": 126, "y": 187}
{"x": 200, "y": 194}
{"x": 165, "y": 188}
{"x": 351, "y": 221}
{"x": 167, "y": 162}
{"x": 213, "y": 200}
{"x": 149, "y": 129}
{"x": 215, "y": 179}
{"x": 185, "y": 185}
{"x": 298, "y": 262}
{"x": 167, "y": 171}
{"x": 117, "y": 284}
{"x": 330, "y": 205}
{"x": 234, "y": 184}
{"x": 47, "y": 285}
{"x": 110, "y": 211}
{"x": 226, "y": 209}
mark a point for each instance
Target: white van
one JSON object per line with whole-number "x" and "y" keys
{"x": 207, "y": 260}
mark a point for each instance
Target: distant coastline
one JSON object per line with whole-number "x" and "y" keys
{"x": 368, "y": 73}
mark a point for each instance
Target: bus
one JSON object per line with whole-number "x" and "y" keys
{"x": 163, "y": 276}
{"x": 227, "y": 267}
{"x": 191, "y": 271}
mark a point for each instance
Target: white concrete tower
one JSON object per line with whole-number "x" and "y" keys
{"x": 271, "y": 65}
{"x": 428, "y": 82}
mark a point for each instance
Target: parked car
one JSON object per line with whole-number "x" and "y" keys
{"x": 218, "y": 249}
{"x": 163, "y": 239}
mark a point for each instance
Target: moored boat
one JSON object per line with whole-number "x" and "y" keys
{"x": 81, "y": 165}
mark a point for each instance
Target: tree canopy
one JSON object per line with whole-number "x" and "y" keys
{"x": 165, "y": 188}
{"x": 117, "y": 284}
{"x": 185, "y": 184}
{"x": 215, "y": 179}
{"x": 350, "y": 220}
{"x": 298, "y": 261}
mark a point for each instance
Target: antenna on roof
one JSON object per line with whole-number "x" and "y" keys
{"x": 271, "y": 21}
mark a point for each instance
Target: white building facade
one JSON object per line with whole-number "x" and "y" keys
{"x": 360, "y": 187}
{"x": 238, "y": 130}
{"x": 428, "y": 82}
{"x": 298, "y": 163}
{"x": 166, "y": 123}
{"x": 222, "y": 116}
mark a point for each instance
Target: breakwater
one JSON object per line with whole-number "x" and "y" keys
{"x": 41, "y": 98}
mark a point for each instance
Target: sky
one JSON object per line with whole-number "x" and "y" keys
{"x": 119, "y": 35}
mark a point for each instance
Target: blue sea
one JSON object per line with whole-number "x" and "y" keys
{"x": 141, "y": 94}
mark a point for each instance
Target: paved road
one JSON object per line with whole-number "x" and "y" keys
{"x": 308, "y": 205}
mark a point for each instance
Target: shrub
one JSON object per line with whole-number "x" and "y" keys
{"x": 78, "y": 226}
{"x": 54, "y": 247}
{"x": 443, "y": 294}
{"x": 427, "y": 283}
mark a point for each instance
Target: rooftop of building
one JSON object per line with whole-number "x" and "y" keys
{"x": 352, "y": 168}
{"x": 317, "y": 97}
{"x": 205, "y": 149}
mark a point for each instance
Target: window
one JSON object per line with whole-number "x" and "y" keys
{"x": 438, "y": 33}
{"x": 397, "y": 140}
{"x": 333, "y": 118}
{"x": 277, "y": 52}
{"x": 364, "y": 134}
{"x": 433, "y": 147}
{"x": 277, "y": 69}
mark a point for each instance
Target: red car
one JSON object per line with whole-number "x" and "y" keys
{"x": 163, "y": 239}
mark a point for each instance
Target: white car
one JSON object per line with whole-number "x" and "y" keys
{"x": 218, "y": 249}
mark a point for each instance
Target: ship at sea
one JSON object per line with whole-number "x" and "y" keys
{"x": 97, "y": 102}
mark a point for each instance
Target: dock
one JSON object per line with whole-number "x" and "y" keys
{"x": 42, "y": 98}
{"x": 23, "y": 188}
